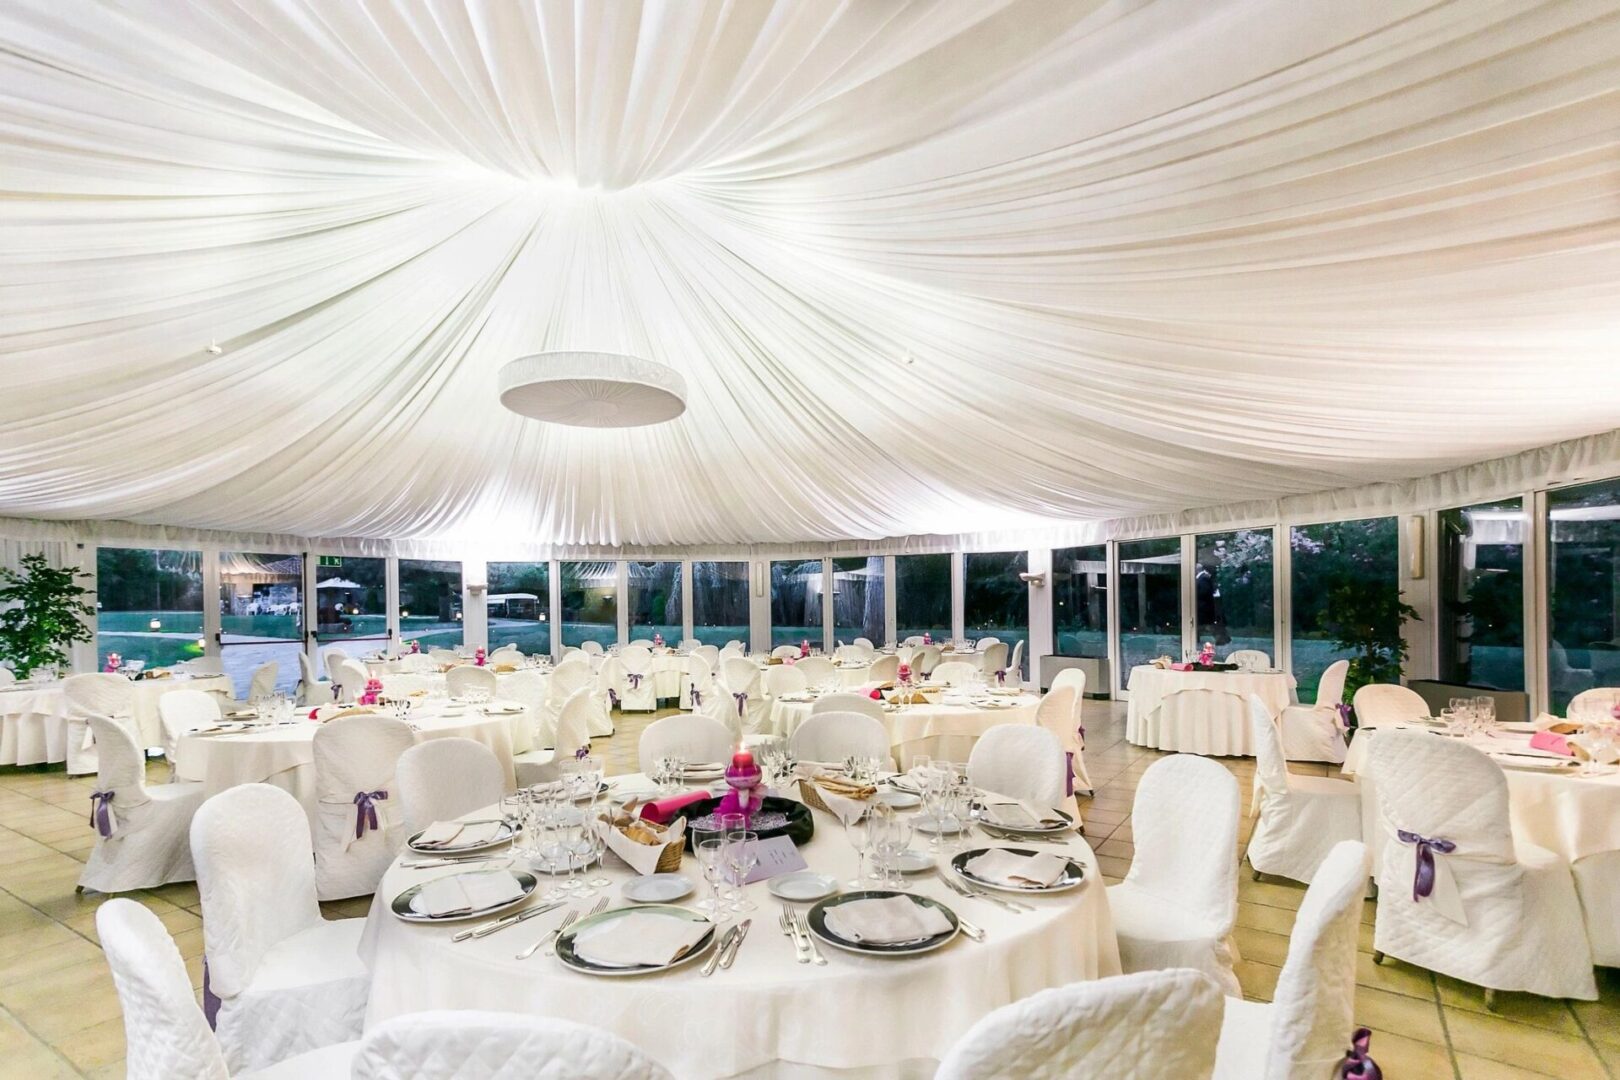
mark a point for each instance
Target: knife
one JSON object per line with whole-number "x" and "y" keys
{"x": 504, "y": 921}
{"x": 714, "y": 959}
{"x": 736, "y": 943}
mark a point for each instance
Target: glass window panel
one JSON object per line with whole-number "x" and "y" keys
{"x": 796, "y": 613}
{"x": 858, "y": 600}
{"x": 1346, "y": 597}
{"x": 922, "y": 597}
{"x": 261, "y": 615}
{"x": 351, "y": 602}
{"x": 519, "y": 606}
{"x": 995, "y": 601}
{"x": 1080, "y": 600}
{"x": 590, "y": 602}
{"x": 720, "y": 602}
{"x": 430, "y": 602}
{"x": 1149, "y": 602}
{"x": 1583, "y": 589}
{"x": 149, "y": 605}
{"x": 655, "y": 600}
{"x": 1482, "y": 595}
{"x": 1233, "y": 585}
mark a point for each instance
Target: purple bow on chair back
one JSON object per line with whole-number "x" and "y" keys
{"x": 1344, "y": 715}
{"x": 1423, "y": 879}
{"x": 101, "y": 814}
{"x": 583, "y": 752}
{"x": 365, "y": 812}
{"x": 742, "y": 703}
{"x": 697, "y": 698}
{"x": 635, "y": 679}
{"x": 1001, "y": 676}
{"x": 613, "y": 697}
{"x": 1356, "y": 1064}
{"x": 1068, "y": 772}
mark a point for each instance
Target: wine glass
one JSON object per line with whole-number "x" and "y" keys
{"x": 709, "y": 848}
{"x": 860, "y": 833}
{"x": 741, "y": 856}
{"x": 896, "y": 841}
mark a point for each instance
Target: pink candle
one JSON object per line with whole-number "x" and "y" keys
{"x": 742, "y": 759}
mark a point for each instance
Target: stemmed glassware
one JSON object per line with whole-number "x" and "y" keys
{"x": 894, "y": 840}
{"x": 741, "y": 856}
{"x": 860, "y": 831}
{"x": 710, "y": 848}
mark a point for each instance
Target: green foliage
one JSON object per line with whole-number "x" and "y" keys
{"x": 45, "y": 613}
{"x": 1368, "y": 622}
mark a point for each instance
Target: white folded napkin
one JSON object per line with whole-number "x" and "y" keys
{"x": 458, "y": 834}
{"x": 1013, "y": 814}
{"x": 885, "y": 921}
{"x": 1010, "y": 868}
{"x": 642, "y": 939}
{"x": 466, "y": 892}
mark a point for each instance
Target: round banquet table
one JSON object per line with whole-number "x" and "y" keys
{"x": 946, "y": 731}
{"x": 33, "y": 724}
{"x": 1576, "y": 817}
{"x": 1200, "y": 712}
{"x": 284, "y": 754}
{"x": 767, "y": 1015}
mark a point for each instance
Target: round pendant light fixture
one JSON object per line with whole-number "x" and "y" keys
{"x": 592, "y": 389}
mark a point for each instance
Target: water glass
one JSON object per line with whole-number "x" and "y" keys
{"x": 741, "y": 856}
{"x": 860, "y": 832}
{"x": 710, "y": 848}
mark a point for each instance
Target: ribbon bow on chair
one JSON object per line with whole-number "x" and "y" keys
{"x": 365, "y": 812}
{"x": 1001, "y": 676}
{"x": 1423, "y": 879}
{"x": 1356, "y": 1064}
{"x": 742, "y": 703}
{"x": 613, "y": 697}
{"x": 635, "y": 679}
{"x": 697, "y": 698}
{"x": 1344, "y": 715}
{"x": 102, "y": 818}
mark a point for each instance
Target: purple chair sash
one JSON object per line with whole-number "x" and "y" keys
{"x": 634, "y": 679}
{"x": 613, "y": 697}
{"x": 101, "y": 814}
{"x": 1344, "y": 715}
{"x": 1001, "y": 676}
{"x": 742, "y": 703}
{"x": 365, "y": 813}
{"x": 1356, "y": 1064}
{"x": 697, "y": 698}
{"x": 1423, "y": 879}
{"x": 211, "y": 1002}
{"x": 1068, "y": 772}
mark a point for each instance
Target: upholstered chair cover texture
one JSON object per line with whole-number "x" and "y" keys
{"x": 817, "y": 671}
{"x": 954, "y": 673}
{"x": 1075, "y": 679}
{"x": 445, "y": 778}
{"x": 885, "y": 669}
{"x": 100, "y": 693}
{"x": 497, "y": 1046}
{"x": 785, "y": 679}
{"x": 1020, "y": 761}
{"x": 1316, "y": 732}
{"x": 694, "y": 736}
{"x": 1377, "y": 704}
{"x": 355, "y": 761}
{"x": 464, "y": 679}
{"x": 141, "y": 832}
{"x": 181, "y": 711}
{"x": 263, "y": 682}
{"x": 312, "y": 689}
{"x": 1301, "y": 818}
{"x": 845, "y": 703}
{"x": 572, "y": 734}
{"x": 636, "y": 686}
{"x": 528, "y": 688}
{"x": 742, "y": 677}
{"x": 832, "y": 737}
{"x": 699, "y": 676}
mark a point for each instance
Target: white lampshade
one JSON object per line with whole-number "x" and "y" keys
{"x": 592, "y": 389}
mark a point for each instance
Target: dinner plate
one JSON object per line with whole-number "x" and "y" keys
{"x": 802, "y": 886}
{"x": 899, "y": 800}
{"x": 914, "y": 862}
{"x": 1026, "y": 830}
{"x": 817, "y": 919}
{"x": 931, "y": 826}
{"x": 508, "y": 831}
{"x": 570, "y": 958}
{"x": 716, "y": 773}
{"x": 1073, "y": 875}
{"x": 657, "y": 888}
{"x": 1534, "y": 764}
{"x": 402, "y": 903}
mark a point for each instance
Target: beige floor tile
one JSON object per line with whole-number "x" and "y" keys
{"x": 1394, "y": 976}
{"x": 1259, "y": 945}
{"x": 1601, "y": 1019}
{"x": 1510, "y": 1043}
{"x": 1478, "y": 1068}
{"x": 1400, "y": 1058}
{"x": 47, "y": 953}
{"x": 1549, "y": 1013}
{"x": 96, "y": 1046}
{"x": 64, "y": 1001}
{"x": 1408, "y": 1017}
{"x": 1259, "y": 981}
{"x": 1261, "y": 917}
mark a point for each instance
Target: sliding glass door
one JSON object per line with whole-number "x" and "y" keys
{"x": 261, "y": 616}
{"x": 1149, "y": 603}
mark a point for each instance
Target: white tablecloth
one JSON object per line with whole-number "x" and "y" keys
{"x": 767, "y": 1014}
{"x": 939, "y": 731}
{"x": 1200, "y": 712}
{"x": 33, "y": 725}
{"x": 285, "y": 755}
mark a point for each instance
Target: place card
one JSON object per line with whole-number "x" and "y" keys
{"x": 777, "y": 855}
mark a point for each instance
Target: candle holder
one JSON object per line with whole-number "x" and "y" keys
{"x": 747, "y": 795}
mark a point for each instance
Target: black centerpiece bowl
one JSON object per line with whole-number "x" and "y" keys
{"x": 800, "y": 826}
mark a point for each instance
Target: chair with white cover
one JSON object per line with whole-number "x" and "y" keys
{"x": 356, "y": 830}
{"x": 832, "y": 737}
{"x": 570, "y": 651}
{"x": 312, "y": 689}
{"x": 785, "y": 679}
{"x": 636, "y": 689}
{"x": 984, "y": 643}
{"x": 465, "y": 679}
{"x": 349, "y": 678}
{"x": 1019, "y": 761}
{"x": 1115, "y": 1027}
{"x": 331, "y": 658}
{"x": 182, "y": 711}
{"x": 693, "y": 736}
{"x": 567, "y": 678}
{"x": 1305, "y": 1028}
{"x": 688, "y": 644}
{"x": 527, "y": 688}
{"x": 711, "y": 653}
{"x": 847, "y": 703}
{"x": 203, "y": 667}
{"x": 697, "y": 681}
{"x": 954, "y": 673}
{"x": 994, "y": 659}
{"x": 1055, "y": 713}
{"x": 1178, "y": 903}
{"x": 445, "y": 778}
{"x": 1316, "y": 732}
{"x": 1301, "y": 818}
{"x": 7, "y": 676}
{"x": 571, "y": 733}
{"x": 884, "y": 669}
{"x": 733, "y": 648}
{"x": 471, "y": 1045}
{"x": 782, "y": 652}
{"x": 638, "y": 645}
{"x": 609, "y": 679}
{"x": 1598, "y": 699}
{"x": 818, "y": 671}
{"x": 99, "y": 693}
{"x": 744, "y": 695}
{"x": 263, "y": 683}
{"x": 591, "y": 648}
{"x": 1013, "y": 668}
{"x": 926, "y": 659}
{"x": 287, "y": 981}
{"x": 1458, "y": 892}
{"x": 865, "y": 643}
{"x": 140, "y": 831}
{"x": 1248, "y": 659}
{"x": 852, "y": 654}
{"x": 1378, "y": 704}
{"x": 444, "y": 656}
{"x": 1075, "y": 679}
{"x": 166, "y": 1035}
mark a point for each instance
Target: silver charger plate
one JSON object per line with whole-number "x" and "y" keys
{"x": 401, "y": 905}
{"x": 505, "y": 836}
{"x": 1074, "y": 875}
{"x": 567, "y": 954}
{"x": 816, "y": 919}
{"x": 1027, "y": 830}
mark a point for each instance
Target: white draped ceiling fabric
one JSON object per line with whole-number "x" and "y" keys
{"x": 926, "y": 267}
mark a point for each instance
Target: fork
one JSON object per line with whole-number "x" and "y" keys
{"x": 550, "y": 940}
{"x": 804, "y": 929}
{"x": 974, "y": 894}
{"x": 791, "y": 929}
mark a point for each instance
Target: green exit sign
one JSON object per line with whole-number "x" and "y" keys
{"x": 329, "y": 560}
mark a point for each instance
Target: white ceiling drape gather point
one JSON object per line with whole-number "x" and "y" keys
{"x": 926, "y": 267}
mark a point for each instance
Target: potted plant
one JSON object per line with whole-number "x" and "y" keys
{"x": 44, "y": 613}
{"x": 1368, "y": 621}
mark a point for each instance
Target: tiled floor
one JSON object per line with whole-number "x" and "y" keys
{"x": 59, "y": 1014}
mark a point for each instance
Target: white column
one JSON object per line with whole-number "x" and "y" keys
{"x": 82, "y": 654}
{"x": 686, "y": 600}
{"x": 1040, "y": 612}
{"x": 391, "y": 595}
{"x": 1537, "y": 547}
{"x": 1419, "y": 635}
{"x": 1117, "y": 677}
{"x": 958, "y": 595}
{"x": 1189, "y": 593}
{"x": 210, "y": 612}
{"x": 1282, "y": 595}
{"x": 554, "y": 606}
{"x": 891, "y": 591}
{"x": 826, "y": 606}
{"x": 622, "y": 605}
{"x": 474, "y": 609}
{"x": 306, "y": 608}
{"x": 759, "y": 605}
